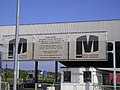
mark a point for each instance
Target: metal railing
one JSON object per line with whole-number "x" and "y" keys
{"x": 63, "y": 86}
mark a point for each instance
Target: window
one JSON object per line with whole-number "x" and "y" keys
{"x": 87, "y": 76}
{"x": 67, "y": 76}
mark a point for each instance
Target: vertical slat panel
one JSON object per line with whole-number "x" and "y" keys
{"x": 111, "y": 26}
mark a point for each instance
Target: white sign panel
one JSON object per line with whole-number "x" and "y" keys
{"x": 87, "y": 46}
{"x": 24, "y": 47}
{"x": 51, "y": 47}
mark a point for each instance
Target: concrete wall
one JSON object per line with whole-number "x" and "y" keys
{"x": 77, "y": 82}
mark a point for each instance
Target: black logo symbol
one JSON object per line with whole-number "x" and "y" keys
{"x": 22, "y": 47}
{"x": 82, "y": 41}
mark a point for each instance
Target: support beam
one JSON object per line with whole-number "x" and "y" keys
{"x": 0, "y": 67}
{"x": 56, "y": 71}
{"x": 36, "y": 71}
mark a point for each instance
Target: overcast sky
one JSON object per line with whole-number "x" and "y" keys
{"x": 48, "y": 11}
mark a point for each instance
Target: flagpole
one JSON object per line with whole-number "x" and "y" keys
{"x": 16, "y": 45}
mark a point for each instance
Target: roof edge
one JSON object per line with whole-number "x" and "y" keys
{"x": 65, "y": 22}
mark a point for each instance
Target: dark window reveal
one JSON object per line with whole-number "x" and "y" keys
{"x": 87, "y": 76}
{"x": 67, "y": 76}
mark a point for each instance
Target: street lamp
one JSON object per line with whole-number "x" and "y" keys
{"x": 16, "y": 45}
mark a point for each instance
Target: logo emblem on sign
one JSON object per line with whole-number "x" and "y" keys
{"x": 22, "y": 47}
{"x": 87, "y": 45}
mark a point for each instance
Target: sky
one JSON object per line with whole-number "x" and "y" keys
{"x": 49, "y": 11}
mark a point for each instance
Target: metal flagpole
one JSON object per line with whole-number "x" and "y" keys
{"x": 114, "y": 65}
{"x": 16, "y": 45}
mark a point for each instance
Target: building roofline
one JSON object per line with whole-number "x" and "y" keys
{"x": 65, "y": 22}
